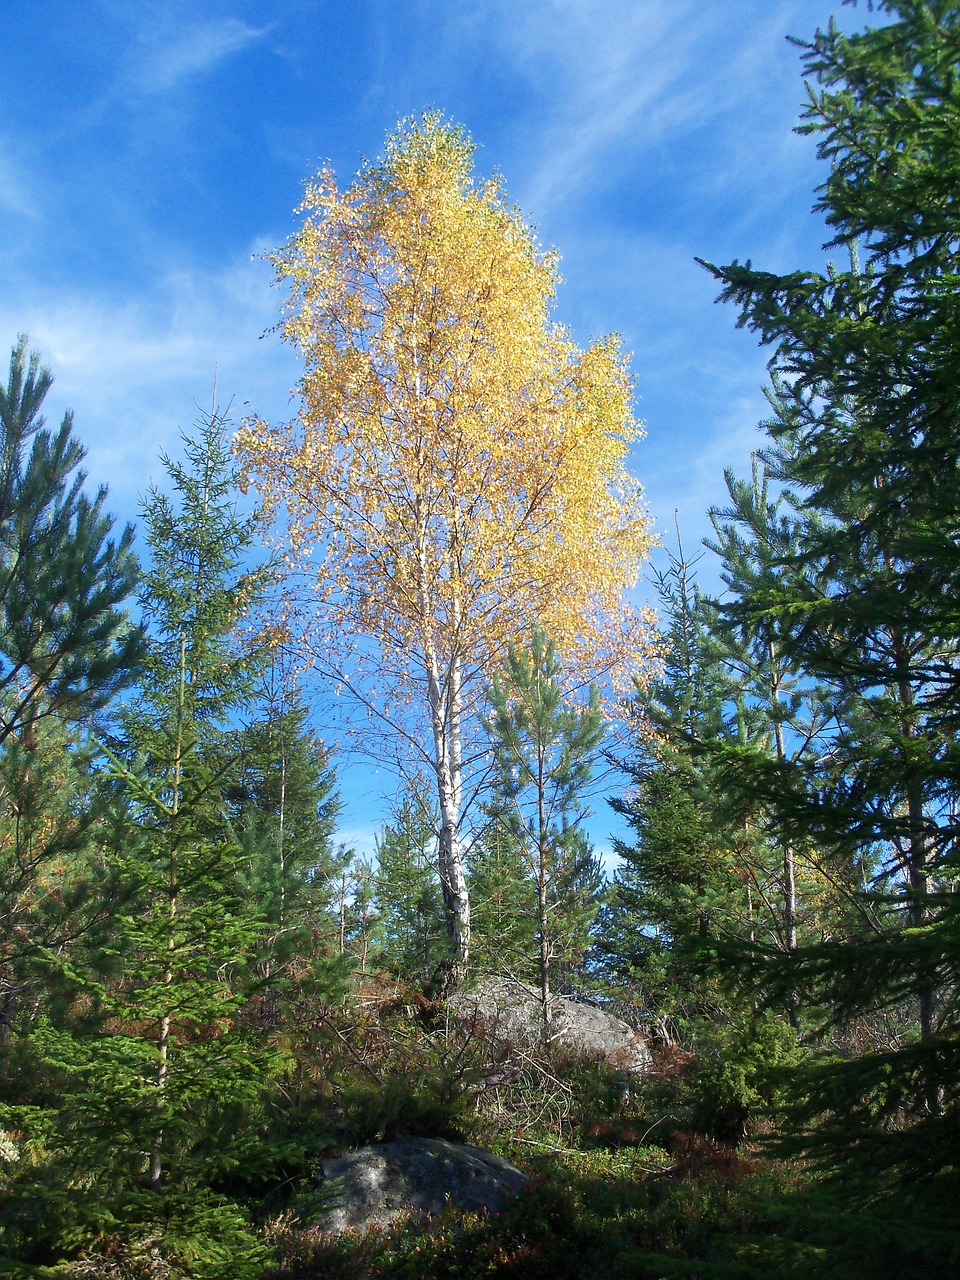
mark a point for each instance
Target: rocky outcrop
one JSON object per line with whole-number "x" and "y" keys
{"x": 415, "y": 1176}
{"x": 507, "y": 1011}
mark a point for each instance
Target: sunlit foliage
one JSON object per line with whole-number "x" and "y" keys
{"x": 456, "y": 470}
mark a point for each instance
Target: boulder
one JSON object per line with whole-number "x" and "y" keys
{"x": 414, "y": 1177}
{"x": 511, "y": 1012}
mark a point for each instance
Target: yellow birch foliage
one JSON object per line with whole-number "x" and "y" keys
{"x": 456, "y": 470}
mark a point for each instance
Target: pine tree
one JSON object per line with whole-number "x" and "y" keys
{"x": 57, "y": 895}
{"x": 66, "y": 643}
{"x": 866, "y": 436}
{"x": 544, "y": 752}
{"x": 67, "y": 647}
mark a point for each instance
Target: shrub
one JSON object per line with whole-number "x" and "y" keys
{"x": 737, "y": 1076}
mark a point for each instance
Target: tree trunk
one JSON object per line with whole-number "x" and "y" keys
{"x": 543, "y": 874}
{"x": 445, "y": 715}
{"x": 542, "y": 921}
{"x": 789, "y": 865}
{"x": 917, "y": 852}
{"x": 163, "y": 1035}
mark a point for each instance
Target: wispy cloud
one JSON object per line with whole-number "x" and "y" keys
{"x": 605, "y": 67}
{"x": 165, "y": 55}
{"x": 616, "y": 83}
{"x": 135, "y": 371}
{"x": 16, "y": 188}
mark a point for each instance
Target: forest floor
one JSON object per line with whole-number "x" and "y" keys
{"x": 618, "y": 1191}
{"x": 638, "y": 1183}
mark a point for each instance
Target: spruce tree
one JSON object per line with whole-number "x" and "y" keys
{"x": 792, "y": 717}
{"x": 282, "y": 799}
{"x": 866, "y": 435}
{"x": 692, "y": 868}
{"x": 409, "y": 931}
{"x": 498, "y": 874}
{"x": 152, "y": 1077}
{"x": 178, "y": 1067}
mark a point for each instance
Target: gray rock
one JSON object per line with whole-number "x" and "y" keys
{"x": 506, "y": 1010}
{"x": 415, "y": 1176}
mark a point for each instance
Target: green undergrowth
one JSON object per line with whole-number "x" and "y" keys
{"x": 632, "y": 1214}
{"x": 621, "y": 1215}
{"x": 629, "y": 1180}
{"x": 626, "y": 1183}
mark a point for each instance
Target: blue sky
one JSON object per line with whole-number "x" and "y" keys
{"x": 150, "y": 150}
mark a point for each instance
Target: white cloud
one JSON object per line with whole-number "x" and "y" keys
{"x": 617, "y": 85}
{"x": 135, "y": 370}
{"x": 168, "y": 55}
{"x": 612, "y": 63}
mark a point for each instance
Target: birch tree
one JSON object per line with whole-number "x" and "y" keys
{"x": 456, "y": 469}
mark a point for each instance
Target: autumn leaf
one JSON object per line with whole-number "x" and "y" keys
{"x": 456, "y": 471}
